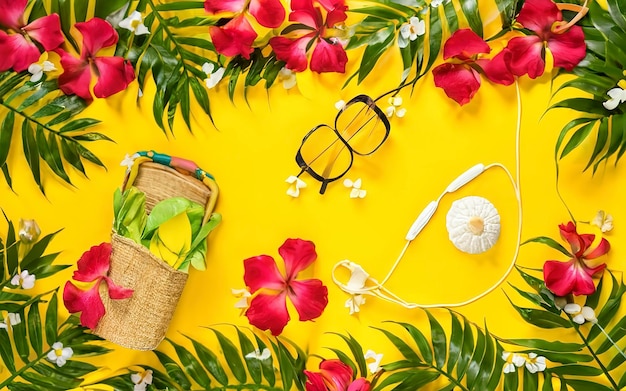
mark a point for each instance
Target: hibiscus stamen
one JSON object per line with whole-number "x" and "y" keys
{"x": 581, "y": 11}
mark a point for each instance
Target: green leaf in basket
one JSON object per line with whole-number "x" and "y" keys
{"x": 168, "y": 209}
{"x": 130, "y": 213}
{"x": 172, "y": 240}
{"x": 197, "y": 254}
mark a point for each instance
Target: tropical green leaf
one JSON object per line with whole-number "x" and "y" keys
{"x": 549, "y": 242}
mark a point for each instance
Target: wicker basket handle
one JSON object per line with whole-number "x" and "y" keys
{"x": 181, "y": 165}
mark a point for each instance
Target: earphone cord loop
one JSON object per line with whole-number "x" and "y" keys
{"x": 377, "y": 289}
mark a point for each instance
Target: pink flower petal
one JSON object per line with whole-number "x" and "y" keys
{"x": 314, "y": 382}
{"x": 291, "y": 51}
{"x": 496, "y": 69}
{"x": 235, "y": 37}
{"x": 569, "y": 234}
{"x": 17, "y": 52}
{"x": 563, "y": 278}
{"x": 97, "y": 34}
{"x": 94, "y": 263}
{"x": 527, "y": 56}
{"x": 337, "y": 375}
{"x": 459, "y": 82}
{"x": 310, "y": 297}
{"x": 217, "y": 6}
{"x": 539, "y": 15}
{"x": 117, "y": 292}
{"x": 46, "y": 31}
{"x": 269, "y": 13}
{"x": 269, "y": 312}
{"x": 12, "y": 13}
{"x": 328, "y": 57}
{"x": 261, "y": 272}
{"x": 568, "y": 48}
{"x": 602, "y": 248}
{"x": 304, "y": 12}
{"x": 360, "y": 384}
{"x": 76, "y": 76}
{"x": 336, "y": 11}
{"x": 115, "y": 74}
{"x": 298, "y": 254}
{"x": 463, "y": 44}
{"x": 87, "y": 302}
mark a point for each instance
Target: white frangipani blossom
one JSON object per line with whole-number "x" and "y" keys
{"x": 373, "y": 360}
{"x": 264, "y": 355}
{"x": 394, "y": 107}
{"x": 358, "y": 278}
{"x": 295, "y": 184}
{"x": 10, "y": 320}
{"x": 242, "y": 295}
{"x": 287, "y": 77}
{"x": 37, "y": 70}
{"x": 129, "y": 161}
{"x": 603, "y": 220}
{"x": 580, "y": 315}
{"x": 24, "y": 280}
{"x": 213, "y": 76}
{"x": 617, "y": 96}
{"x": 134, "y": 23}
{"x": 535, "y": 363}
{"x": 59, "y": 355}
{"x": 340, "y": 104}
{"x": 512, "y": 361}
{"x": 410, "y": 30}
{"x": 141, "y": 380}
{"x": 355, "y": 188}
{"x": 354, "y": 303}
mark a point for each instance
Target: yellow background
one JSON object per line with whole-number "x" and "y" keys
{"x": 251, "y": 153}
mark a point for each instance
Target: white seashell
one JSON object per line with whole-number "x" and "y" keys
{"x": 473, "y": 224}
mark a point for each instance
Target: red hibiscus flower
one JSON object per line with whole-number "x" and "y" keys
{"x": 268, "y": 308}
{"x": 93, "y": 265}
{"x": 114, "y": 74}
{"x": 235, "y": 37}
{"x": 334, "y": 375}
{"x": 17, "y": 49}
{"x": 575, "y": 275}
{"x": 460, "y": 78}
{"x": 269, "y": 13}
{"x": 328, "y": 54}
{"x": 527, "y": 54}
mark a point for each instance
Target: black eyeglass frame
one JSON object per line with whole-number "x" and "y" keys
{"x": 371, "y": 105}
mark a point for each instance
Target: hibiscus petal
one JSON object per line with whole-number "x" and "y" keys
{"x": 94, "y": 263}
{"x": 97, "y": 34}
{"x": 87, "y": 302}
{"x": 76, "y": 76}
{"x": 315, "y": 382}
{"x": 269, "y": 312}
{"x": 463, "y": 44}
{"x": 115, "y": 74}
{"x": 497, "y": 70}
{"x": 568, "y": 48}
{"x": 602, "y": 248}
{"x": 337, "y": 374}
{"x": 269, "y": 13}
{"x": 328, "y": 57}
{"x": 336, "y": 11}
{"x": 217, "y": 6}
{"x": 526, "y": 56}
{"x": 298, "y": 254}
{"x": 360, "y": 384}
{"x": 459, "y": 82}
{"x": 291, "y": 51}
{"x": 46, "y": 31}
{"x": 539, "y": 15}
{"x": 563, "y": 278}
{"x": 12, "y": 13}
{"x": 117, "y": 292}
{"x": 310, "y": 297}
{"x": 304, "y": 12}
{"x": 17, "y": 52}
{"x": 235, "y": 37}
{"x": 261, "y": 272}
{"x": 569, "y": 234}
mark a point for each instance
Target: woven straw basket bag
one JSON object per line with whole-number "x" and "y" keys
{"x": 141, "y": 321}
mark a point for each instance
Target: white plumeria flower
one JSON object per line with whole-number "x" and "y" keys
{"x": 141, "y": 379}
{"x": 356, "y": 191}
{"x": 340, "y": 104}
{"x": 603, "y": 220}
{"x": 59, "y": 354}
{"x": 242, "y": 295}
{"x": 295, "y": 184}
{"x": 264, "y": 355}
{"x": 410, "y": 30}
{"x": 134, "y": 23}
{"x": 580, "y": 315}
{"x": 617, "y": 96}
{"x": 373, "y": 360}
{"x": 287, "y": 77}
{"x": 535, "y": 363}
{"x": 213, "y": 76}
{"x": 512, "y": 361}
{"x": 24, "y": 280}
{"x": 354, "y": 303}
{"x": 358, "y": 278}
{"x": 11, "y": 320}
{"x": 395, "y": 102}
{"x": 37, "y": 70}
{"x": 129, "y": 161}
{"x": 29, "y": 231}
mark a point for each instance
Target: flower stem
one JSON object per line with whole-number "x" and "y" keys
{"x": 595, "y": 356}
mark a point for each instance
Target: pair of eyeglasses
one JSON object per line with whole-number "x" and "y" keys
{"x": 327, "y": 152}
